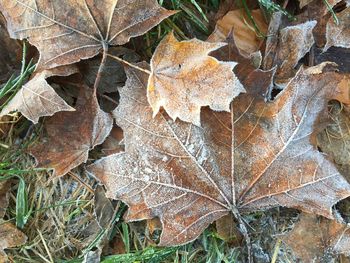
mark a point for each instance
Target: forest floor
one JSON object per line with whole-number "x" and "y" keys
{"x": 58, "y": 215}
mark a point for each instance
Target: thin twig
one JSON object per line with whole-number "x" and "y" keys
{"x": 129, "y": 64}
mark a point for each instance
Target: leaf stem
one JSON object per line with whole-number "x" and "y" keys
{"x": 244, "y": 231}
{"x": 101, "y": 68}
{"x": 129, "y": 64}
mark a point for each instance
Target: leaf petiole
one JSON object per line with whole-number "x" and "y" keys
{"x": 129, "y": 64}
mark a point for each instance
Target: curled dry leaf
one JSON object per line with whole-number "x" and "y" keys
{"x": 66, "y": 33}
{"x": 114, "y": 142}
{"x": 37, "y": 98}
{"x": 246, "y": 37}
{"x": 338, "y": 35}
{"x": 314, "y": 238}
{"x": 10, "y": 237}
{"x": 184, "y": 78}
{"x": 104, "y": 210}
{"x": 258, "y": 156}
{"x": 295, "y": 42}
{"x": 272, "y": 40}
{"x": 71, "y": 135}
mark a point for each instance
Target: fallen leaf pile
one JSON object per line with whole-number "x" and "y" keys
{"x": 205, "y": 129}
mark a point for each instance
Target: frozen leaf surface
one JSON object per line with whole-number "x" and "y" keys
{"x": 37, "y": 98}
{"x": 71, "y": 135}
{"x": 184, "y": 78}
{"x": 338, "y": 35}
{"x": 66, "y": 33}
{"x": 258, "y": 156}
{"x": 295, "y": 42}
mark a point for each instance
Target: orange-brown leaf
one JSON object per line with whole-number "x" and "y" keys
{"x": 313, "y": 238}
{"x": 184, "y": 78}
{"x": 257, "y": 157}
{"x": 71, "y": 135}
{"x": 67, "y": 32}
{"x": 245, "y": 35}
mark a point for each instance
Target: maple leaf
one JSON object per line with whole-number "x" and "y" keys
{"x": 66, "y": 33}
{"x": 37, "y": 98}
{"x": 312, "y": 238}
{"x": 258, "y": 156}
{"x": 10, "y": 237}
{"x": 246, "y": 38}
{"x": 338, "y": 35}
{"x": 184, "y": 78}
{"x": 72, "y": 134}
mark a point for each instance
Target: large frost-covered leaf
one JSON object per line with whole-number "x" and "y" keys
{"x": 258, "y": 156}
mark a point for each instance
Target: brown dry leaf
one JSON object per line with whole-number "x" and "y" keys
{"x": 112, "y": 75}
{"x": 37, "y": 98}
{"x": 103, "y": 208}
{"x": 246, "y": 38}
{"x": 66, "y": 33}
{"x": 259, "y": 156}
{"x": 314, "y": 239}
{"x": 331, "y": 3}
{"x": 71, "y": 135}
{"x": 10, "y": 237}
{"x": 344, "y": 91}
{"x": 9, "y": 53}
{"x": 294, "y": 43}
{"x": 184, "y": 78}
{"x": 338, "y": 35}
{"x": 114, "y": 142}
{"x": 4, "y": 197}
{"x": 339, "y": 55}
{"x": 227, "y": 230}
{"x": 335, "y": 139}
{"x": 246, "y": 72}
{"x": 272, "y": 40}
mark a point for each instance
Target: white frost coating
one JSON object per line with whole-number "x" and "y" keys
{"x": 338, "y": 35}
{"x": 295, "y": 42}
{"x": 184, "y": 172}
{"x": 184, "y": 79}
